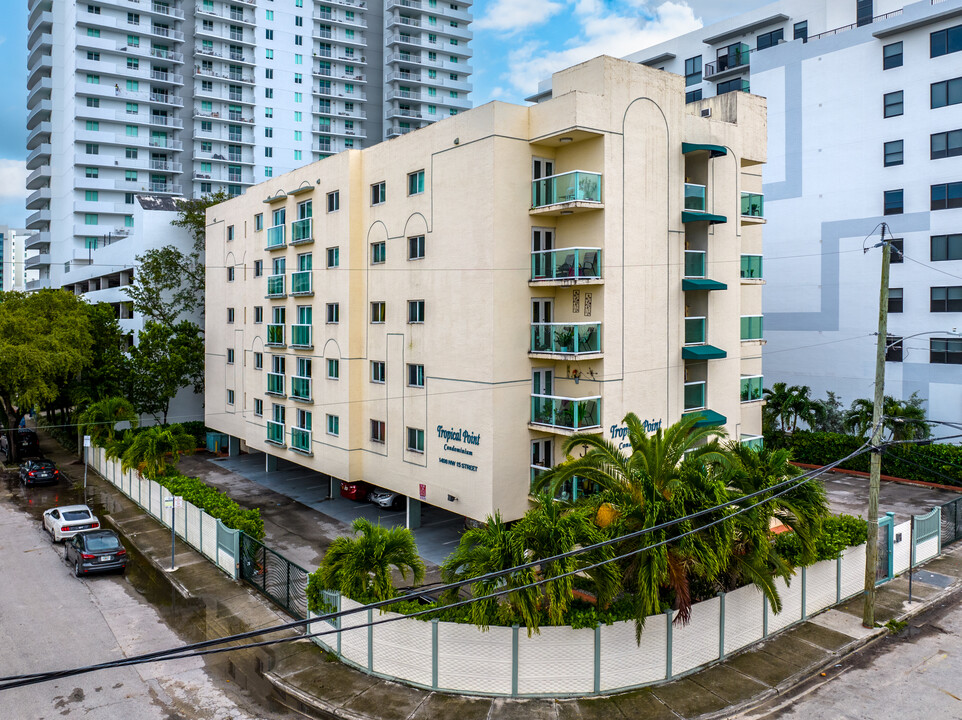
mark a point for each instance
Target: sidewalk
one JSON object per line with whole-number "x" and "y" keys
{"x": 299, "y": 676}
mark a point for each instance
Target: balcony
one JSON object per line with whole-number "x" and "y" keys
{"x": 275, "y": 383}
{"x": 564, "y": 413}
{"x": 695, "y": 208}
{"x": 301, "y": 282}
{"x": 751, "y": 267}
{"x": 751, "y": 388}
{"x": 695, "y": 395}
{"x": 275, "y": 237}
{"x": 735, "y": 60}
{"x": 565, "y": 339}
{"x": 275, "y": 286}
{"x": 275, "y": 335}
{"x": 302, "y": 231}
{"x": 695, "y": 330}
{"x": 275, "y": 432}
{"x": 301, "y": 440}
{"x": 566, "y": 192}
{"x": 753, "y": 207}
{"x": 694, "y": 263}
{"x": 578, "y": 265}
{"x": 38, "y": 198}
{"x": 302, "y": 336}
{"x": 301, "y": 388}
{"x": 39, "y": 156}
{"x": 755, "y": 442}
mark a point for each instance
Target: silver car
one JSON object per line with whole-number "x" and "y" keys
{"x": 65, "y": 522}
{"x": 386, "y": 499}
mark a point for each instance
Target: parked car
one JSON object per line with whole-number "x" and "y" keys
{"x": 95, "y": 551}
{"x": 28, "y": 444}
{"x": 65, "y": 522}
{"x": 39, "y": 472}
{"x": 357, "y": 490}
{"x": 386, "y": 499}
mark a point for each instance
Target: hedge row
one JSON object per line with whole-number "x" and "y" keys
{"x": 936, "y": 463}
{"x": 215, "y": 503}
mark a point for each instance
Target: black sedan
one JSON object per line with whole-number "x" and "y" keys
{"x": 39, "y": 472}
{"x": 28, "y": 444}
{"x": 95, "y": 551}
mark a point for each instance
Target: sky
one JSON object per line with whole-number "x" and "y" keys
{"x": 516, "y": 44}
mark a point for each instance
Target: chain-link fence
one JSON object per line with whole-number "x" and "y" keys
{"x": 951, "y": 526}
{"x": 274, "y": 575}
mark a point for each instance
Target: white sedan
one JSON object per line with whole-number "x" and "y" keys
{"x": 65, "y": 522}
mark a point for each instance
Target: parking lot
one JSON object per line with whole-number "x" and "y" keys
{"x": 849, "y": 494}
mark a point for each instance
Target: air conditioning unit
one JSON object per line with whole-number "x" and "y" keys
{"x": 706, "y": 112}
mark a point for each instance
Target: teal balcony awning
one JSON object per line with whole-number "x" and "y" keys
{"x": 702, "y": 284}
{"x": 688, "y": 216}
{"x": 702, "y": 352}
{"x": 713, "y": 150}
{"x": 709, "y": 418}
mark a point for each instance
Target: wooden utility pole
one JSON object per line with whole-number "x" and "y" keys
{"x": 871, "y": 546}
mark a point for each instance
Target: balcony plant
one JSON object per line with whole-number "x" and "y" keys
{"x": 564, "y": 339}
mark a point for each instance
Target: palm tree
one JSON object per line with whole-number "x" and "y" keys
{"x": 858, "y": 419}
{"x": 99, "y": 419}
{"x": 360, "y": 566}
{"x": 669, "y": 474}
{"x": 905, "y": 419}
{"x": 787, "y": 405}
{"x": 155, "y": 450}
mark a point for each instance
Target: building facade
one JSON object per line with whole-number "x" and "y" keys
{"x": 437, "y": 313}
{"x": 13, "y": 258}
{"x": 865, "y": 128}
{"x": 185, "y": 98}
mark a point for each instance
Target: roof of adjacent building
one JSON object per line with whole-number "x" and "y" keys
{"x": 159, "y": 202}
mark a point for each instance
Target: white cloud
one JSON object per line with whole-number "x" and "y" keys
{"x": 13, "y": 179}
{"x": 511, "y": 16}
{"x": 603, "y": 31}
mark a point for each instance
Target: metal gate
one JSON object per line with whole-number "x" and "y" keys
{"x": 282, "y": 581}
{"x": 925, "y": 528}
{"x": 951, "y": 529}
{"x": 883, "y": 567}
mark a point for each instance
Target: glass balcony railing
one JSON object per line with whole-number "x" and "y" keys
{"x": 275, "y": 237}
{"x": 275, "y": 383}
{"x": 536, "y": 472}
{"x": 695, "y": 197}
{"x": 695, "y": 395}
{"x": 752, "y": 327}
{"x": 694, "y": 263}
{"x": 301, "y": 439}
{"x": 275, "y": 432}
{"x": 755, "y": 442}
{"x": 275, "y": 286}
{"x": 751, "y": 268}
{"x": 751, "y": 388}
{"x": 301, "y": 282}
{"x": 753, "y": 205}
{"x": 301, "y": 388}
{"x": 695, "y": 331}
{"x": 566, "y": 413}
{"x": 566, "y": 264}
{"x": 302, "y": 336}
{"x": 275, "y": 334}
{"x": 302, "y": 231}
{"x": 567, "y": 338}
{"x": 574, "y": 186}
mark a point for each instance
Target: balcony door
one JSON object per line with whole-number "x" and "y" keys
{"x": 542, "y": 240}
{"x": 540, "y": 168}
{"x": 542, "y": 312}
{"x": 542, "y": 382}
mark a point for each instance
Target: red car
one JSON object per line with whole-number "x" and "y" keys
{"x": 356, "y": 490}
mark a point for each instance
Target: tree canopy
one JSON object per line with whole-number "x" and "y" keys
{"x": 165, "y": 360}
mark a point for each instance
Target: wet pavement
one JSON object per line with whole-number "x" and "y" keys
{"x": 849, "y": 494}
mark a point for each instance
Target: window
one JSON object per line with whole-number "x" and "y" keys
{"x": 128, "y": 198}
{"x": 230, "y": 356}
{"x": 766, "y": 40}
{"x": 258, "y": 222}
{"x": 91, "y": 172}
{"x": 299, "y": 21}
{"x": 378, "y": 193}
{"x": 415, "y": 311}
{"x": 93, "y": 125}
{"x": 333, "y": 201}
{"x": 895, "y": 300}
{"x": 91, "y": 219}
{"x": 93, "y": 9}
{"x": 893, "y": 153}
{"x": 133, "y": 64}
{"x": 133, "y": 86}
{"x": 230, "y": 274}
{"x": 378, "y": 431}
{"x": 91, "y": 195}
{"x": 258, "y": 407}
{"x": 333, "y": 313}
{"x": 128, "y": 220}
{"x": 946, "y": 299}
{"x": 268, "y": 34}
{"x": 892, "y": 56}
{"x": 230, "y": 397}
{"x": 131, "y": 153}
{"x": 91, "y": 55}
{"x": 944, "y": 42}
{"x": 298, "y": 116}
{"x": 333, "y": 425}
{"x": 733, "y": 85}
{"x": 897, "y": 250}
{"x": 801, "y": 31}
{"x": 947, "y": 92}
{"x": 751, "y": 327}
{"x": 258, "y": 361}
{"x": 268, "y": 171}
{"x": 945, "y": 351}
{"x": 946, "y": 247}
{"x": 132, "y": 131}
{"x": 946, "y": 144}
{"x": 333, "y": 257}
{"x": 892, "y": 104}
{"x": 93, "y": 32}
{"x": 415, "y": 440}
{"x": 333, "y": 369}
{"x": 893, "y": 202}
{"x": 258, "y": 314}
{"x": 693, "y": 96}
{"x": 298, "y": 39}
{"x": 377, "y": 311}
{"x": 258, "y": 268}
{"x": 93, "y": 102}
{"x": 269, "y": 54}
{"x": 130, "y": 175}
{"x": 133, "y": 18}
{"x": 378, "y": 253}
{"x": 415, "y": 375}
{"x": 268, "y": 112}
{"x": 863, "y": 12}
{"x": 415, "y": 183}
{"x": 298, "y": 59}
{"x": 268, "y": 152}
{"x": 298, "y": 154}
{"x": 377, "y": 371}
{"x": 946, "y": 196}
{"x": 693, "y": 70}
{"x": 893, "y": 349}
{"x": 133, "y": 108}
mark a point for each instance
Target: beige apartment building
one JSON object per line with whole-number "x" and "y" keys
{"x": 436, "y": 313}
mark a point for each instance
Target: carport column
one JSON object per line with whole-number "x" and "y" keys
{"x": 370, "y": 640}
{"x": 413, "y": 516}
{"x": 270, "y": 462}
{"x": 514, "y": 660}
{"x": 233, "y": 446}
{"x": 434, "y": 653}
{"x": 804, "y": 590}
{"x": 721, "y": 626}
{"x": 597, "y": 659}
{"x": 668, "y": 614}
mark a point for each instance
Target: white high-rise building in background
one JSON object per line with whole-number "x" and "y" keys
{"x": 129, "y": 97}
{"x": 13, "y": 259}
{"x": 864, "y": 128}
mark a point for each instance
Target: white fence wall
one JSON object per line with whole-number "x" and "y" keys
{"x": 902, "y": 549}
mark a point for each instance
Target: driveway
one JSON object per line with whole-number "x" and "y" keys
{"x": 849, "y": 494}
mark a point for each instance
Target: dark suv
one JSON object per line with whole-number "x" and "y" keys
{"x": 28, "y": 444}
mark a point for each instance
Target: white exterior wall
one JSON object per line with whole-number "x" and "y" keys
{"x": 13, "y": 257}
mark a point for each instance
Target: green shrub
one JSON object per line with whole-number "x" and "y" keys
{"x": 836, "y": 534}
{"x": 215, "y": 503}
{"x": 198, "y": 430}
